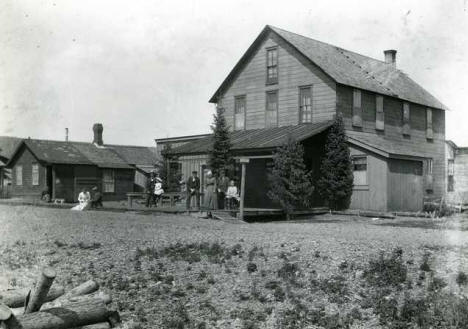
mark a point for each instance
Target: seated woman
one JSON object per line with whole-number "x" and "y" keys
{"x": 84, "y": 200}
{"x": 232, "y": 196}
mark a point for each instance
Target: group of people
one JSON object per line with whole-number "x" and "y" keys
{"x": 219, "y": 193}
{"x": 88, "y": 200}
{"x": 154, "y": 190}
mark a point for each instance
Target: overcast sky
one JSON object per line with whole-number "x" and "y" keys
{"x": 146, "y": 69}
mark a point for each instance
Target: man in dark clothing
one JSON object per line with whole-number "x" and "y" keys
{"x": 150, "y": 190}
{"x": 193, "y": 189}
{"x": 223, "y": 184}
{"x": 96, "y": 200}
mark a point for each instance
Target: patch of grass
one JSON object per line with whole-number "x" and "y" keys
{"x": 425, "y": 266}
{"x": 289, "y": 272}
{"x": 251, "y": 267}
{"x": 386, "y": 270}
{"x": 462, "y": 278}
{"x": 177, "y": 318}
{"x": 193, "y": 252}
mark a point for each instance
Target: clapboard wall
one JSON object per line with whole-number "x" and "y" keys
{"x": 294, "y": 71}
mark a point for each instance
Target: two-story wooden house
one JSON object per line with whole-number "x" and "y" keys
{"x": 287, "y": 84}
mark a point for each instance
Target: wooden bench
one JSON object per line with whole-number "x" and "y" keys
{"x": 171, "y": 197}
{"x": 134, "y": 195}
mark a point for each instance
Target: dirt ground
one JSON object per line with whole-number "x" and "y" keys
{"x": 176, "y": 271}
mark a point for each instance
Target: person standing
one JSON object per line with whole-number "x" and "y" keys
{"x": 223, "y": 184}
{"x": 210, "y": 193}
{"x": 193, "y": 189}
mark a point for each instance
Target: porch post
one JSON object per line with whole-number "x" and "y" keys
{"x": 243, "y": 162}
{"x": 53, "y": 182}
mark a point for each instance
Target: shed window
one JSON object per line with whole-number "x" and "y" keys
{"x": 239, "y": 113}
{"x": 35, "y": 174}
{"x": 271, "y": 109}
{"x": 360, "y": 170}
{"x": 450, "y": 174}
{"x": 379, "y": 113}
{"x": 305, "y": 104}
{"x": 429, "y": 131}
{"x": 108, "y": 181}
{"x": 406, "y": 119}
{"x": 19, "y": 175}
{"x": 357, "y": 110}
{"x": 272, "y": 65}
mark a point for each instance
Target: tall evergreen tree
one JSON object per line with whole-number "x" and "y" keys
{"x": 170, "y": 176}
{"x": 220, "y": 154}
{"x": 290, "y": 183}
{"x": 335, "y": 184}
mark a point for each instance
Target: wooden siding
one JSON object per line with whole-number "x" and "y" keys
{"x": 192, "y": 163}
{"x": 25, "y": 158}
{"x": 294, "y": 71}
{"x": 374, "y": 195}
{"x": 393, "y": 128}
{"x": 460, "y": 177}
{"x": 405, "y": 185}
{"x": 64, "y": 183}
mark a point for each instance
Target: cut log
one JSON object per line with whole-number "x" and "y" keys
{"x": 5, "y": 312}
{"x": 71, "y": 316}
{"x": 102, "y": 325}
{"x": 40, "y": 292}
{"x": 99, "y": 296}
{"x": 83, "y": 289}
{"x": 16, "y": 297}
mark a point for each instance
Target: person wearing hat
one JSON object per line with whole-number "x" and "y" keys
{"x": 210, "y": 193}
{"x": 96, "y": 200}
{"x": 158, "y": 190}
{"x": 193, "y": 190}
{"x": 150, "y": 189}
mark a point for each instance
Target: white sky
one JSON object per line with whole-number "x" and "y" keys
{"x": 146, "y": 69}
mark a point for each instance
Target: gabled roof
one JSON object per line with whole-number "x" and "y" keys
{"x": 78, "y": 153}
{"x": 136, "y": 155}
{"x": 345, "y": 67}
{"x": 102, "y": 156}
{"x": 384, "y": 147}
{"x": 256, "y": 139}
{"x": 8, "y": 145}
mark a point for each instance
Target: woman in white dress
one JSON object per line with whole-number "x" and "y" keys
{"x": 84, "y": 199}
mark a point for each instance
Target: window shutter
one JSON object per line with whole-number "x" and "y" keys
{"x": 357, "y": 111}
{"x": 406, "y": 119}
{"x": 379, "y": 113}
{"x": 429, "y": 131}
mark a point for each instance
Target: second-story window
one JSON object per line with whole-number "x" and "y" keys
{"x": 406, "y": 119}
{"x": 239, "y": 113}
{"x": 379, "y": 113}
{"x": 429, "y": 131}
{"x": 271, "y": 117}
{"x": 305, "y": 104}
{"x": 272, "y": 65}
{"x": 357, "y": 110}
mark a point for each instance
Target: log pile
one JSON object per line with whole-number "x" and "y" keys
{"x": 50, "y": 307}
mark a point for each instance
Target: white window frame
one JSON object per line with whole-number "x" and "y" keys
{"x": 379, "y": 113}
{"x": 271, "y": 115}
{"x": 19, "y": 175}
{"x": 35, "y": 174}
{"x": 366, "y": 176}
{"x": 239, "y": 117}
{"x": 108, "y": 185}
{"x": 357, "y": 108}
{"x": 305, "y": 110}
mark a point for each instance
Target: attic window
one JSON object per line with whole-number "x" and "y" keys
{"x": 272, "y": 65}
{"x": 406, "y": 119}
{"x": 357, "y": 110}
{"x": 429, "y": 131}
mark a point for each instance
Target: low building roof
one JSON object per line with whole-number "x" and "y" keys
{"x": 136, "y": 155}
{"x": 8, "y": 145}
{"x": 102, "y": 156}
{"x": 345, "y": 67}
{"x": 384, "y": 147}
{"x": 256, "y": 139}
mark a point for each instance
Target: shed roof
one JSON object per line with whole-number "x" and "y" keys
{"x": 382, "y": 146}
{"x": 347, "y": 68}
{"x": 102, "y": 156}
{"x": 136, "y": 155}
{"x": 256, "y": 139}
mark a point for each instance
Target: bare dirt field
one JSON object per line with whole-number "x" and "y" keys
{"x": 183, "y": 272}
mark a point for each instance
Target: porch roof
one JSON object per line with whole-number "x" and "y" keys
{"x": 256, "y": 139}
{"x": 384, "y": 147}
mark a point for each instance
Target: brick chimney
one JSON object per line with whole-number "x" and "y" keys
{"x": 97, "y": 129}
{"x": 390, "y": 57}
